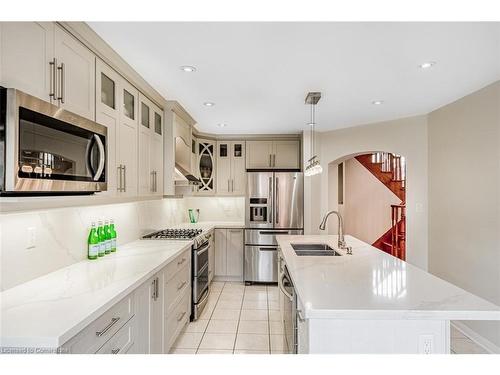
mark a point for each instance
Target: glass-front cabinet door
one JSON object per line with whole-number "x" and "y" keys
{"x": 206, "y": 166}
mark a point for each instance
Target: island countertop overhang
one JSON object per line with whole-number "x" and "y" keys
{"x": 370, "y": 284}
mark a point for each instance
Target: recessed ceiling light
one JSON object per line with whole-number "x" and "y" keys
{"x": 378, "y": 102}
{"x": 221, "y": 125}
{"x": 209, "y": 104}
{"x": 427, "y": 65}
{"x": 188, "y": 68}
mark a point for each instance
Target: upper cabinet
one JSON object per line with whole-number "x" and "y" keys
{"x": 231, "y": 173}
{"x": 116, "y": 108}
{"x": 150, "y": 140}
{"x": 27, "y": 50}
{"x": 206, "y": 166}
{"x": 279, "y": 154}
{"x": 42, "y": 59}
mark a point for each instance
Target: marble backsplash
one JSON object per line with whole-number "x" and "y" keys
{"x": 61, "y": 234}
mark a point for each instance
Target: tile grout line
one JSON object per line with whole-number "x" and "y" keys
{"x": 239, "y": 317}
{"x": 268, "y": 320}
{"x": 210, "y": 318}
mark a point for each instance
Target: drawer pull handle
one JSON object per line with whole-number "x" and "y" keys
{"x": 181, "y": 315}
{"x": 108, "y": 327}
{"x": 115, "y": 351}
{"x": 181, "y": 261}
{"x": 181, "y": 285}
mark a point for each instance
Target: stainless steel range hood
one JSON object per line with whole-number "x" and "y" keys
{"x": 184, "y": 178}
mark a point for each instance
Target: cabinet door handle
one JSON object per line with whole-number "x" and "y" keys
{"x": 115, "y": 351}
{"x": 62, "y": 83}
{"x": 181, "y": 261}
{"x": 107, "y": 328}
{"x": 52, "y": 78}
{"x": 181, "y": 285}
{"x": 124, "y": 169}
{"x": 270, "y": 160}
{"x": 232, "y": 185}
{"x": 180, "y": 316}
{"x": 120, "y": 178}
{"x": 228, "y": 186}
{"x": 157, "y": 293}
{"x": 274, "y": 160}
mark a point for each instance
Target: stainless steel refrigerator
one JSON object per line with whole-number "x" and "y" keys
{"x": 274, "y": 206}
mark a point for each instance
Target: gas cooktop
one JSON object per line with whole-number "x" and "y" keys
{"x": 173, "y": 234}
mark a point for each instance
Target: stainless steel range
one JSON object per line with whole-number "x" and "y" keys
{"x": 199, "y": 263}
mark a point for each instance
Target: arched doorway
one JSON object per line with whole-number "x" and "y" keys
{"x": 369, "y": 190}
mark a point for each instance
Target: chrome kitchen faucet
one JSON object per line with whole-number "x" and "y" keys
{"x": 341, "y": 242}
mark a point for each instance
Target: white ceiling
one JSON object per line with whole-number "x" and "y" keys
{"x": 259, "y": 73}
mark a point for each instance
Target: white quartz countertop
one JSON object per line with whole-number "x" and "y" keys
{"x": 49, "y": 310}
{"x": 370, "y": 284}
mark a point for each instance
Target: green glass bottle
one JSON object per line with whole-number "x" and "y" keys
{"x": 93, "y": 243}
{"x": 113, "y": 235}
{"x": 107, "y": 238}
{"x": 102, "y": 239}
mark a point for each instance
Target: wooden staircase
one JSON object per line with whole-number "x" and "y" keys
{"x": 390, "y": 169}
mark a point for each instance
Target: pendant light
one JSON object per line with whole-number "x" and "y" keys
{"x": 313, "y": 166}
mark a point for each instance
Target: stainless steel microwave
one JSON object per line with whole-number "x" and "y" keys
{"x": 48, "y": 150}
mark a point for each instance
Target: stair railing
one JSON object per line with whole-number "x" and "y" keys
{"x": 398, "y": 237}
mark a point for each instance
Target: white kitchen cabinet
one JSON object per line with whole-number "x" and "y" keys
{"x": 277, "y": 154}
{"x": 149, "y": 298}
{"x": 206, "y": 166}
{"x": 286, "y": 154}
{"x": 150, "y": 151}
{"x": 234, "y": 256}
{"x": 75, "y": 89}
{"x": 229, "y": 254}
{"x": 231, "y": 173}
{"x": 259, "y": 154}
{"x": 116, "y": 109}
{"x": 43, "y": 60}
{"x": 220, "y": 268}
{"x": 27, "y": 49}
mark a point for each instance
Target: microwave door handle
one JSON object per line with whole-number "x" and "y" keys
{"x": 102, "y": 158}
{"x": 88, "y": 152}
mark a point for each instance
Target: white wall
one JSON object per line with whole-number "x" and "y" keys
{"x": 218, "y": 208}
{"x": 464, "y": 197}
{"x": 367, "y": 203}
{"x": 407, "y": 137}
{"x": 62, "y": 232}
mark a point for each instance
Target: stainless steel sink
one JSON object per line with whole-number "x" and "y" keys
{"x": 313, "y": 249}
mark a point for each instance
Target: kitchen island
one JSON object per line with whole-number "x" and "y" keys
{"x": 371, "y": 302}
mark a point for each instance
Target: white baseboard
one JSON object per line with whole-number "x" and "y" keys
{"x": 477, "y": 338}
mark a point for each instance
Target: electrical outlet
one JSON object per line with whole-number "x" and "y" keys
{"x": 31, "y": 238}
{"x": 426, "y": 344}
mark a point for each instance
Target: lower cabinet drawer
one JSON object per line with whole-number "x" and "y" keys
{"x": 179, "y": 262}
{"x": 176, "y": 286}
{"x": 177, "y": 319}
{"x": 123, "y": 341}
{"x": 91, "y": 338}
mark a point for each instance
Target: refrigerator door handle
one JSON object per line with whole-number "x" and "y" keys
{"x": 270, "y": 200}
{"x": 277, "y": 201}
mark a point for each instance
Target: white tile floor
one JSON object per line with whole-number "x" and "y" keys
{"x": 241, "y": 319}
{"x": 238, "y": 319}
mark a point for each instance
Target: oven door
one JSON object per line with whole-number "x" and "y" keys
{"x": 48, "y": 149}
{"x": 200, "y": 258}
